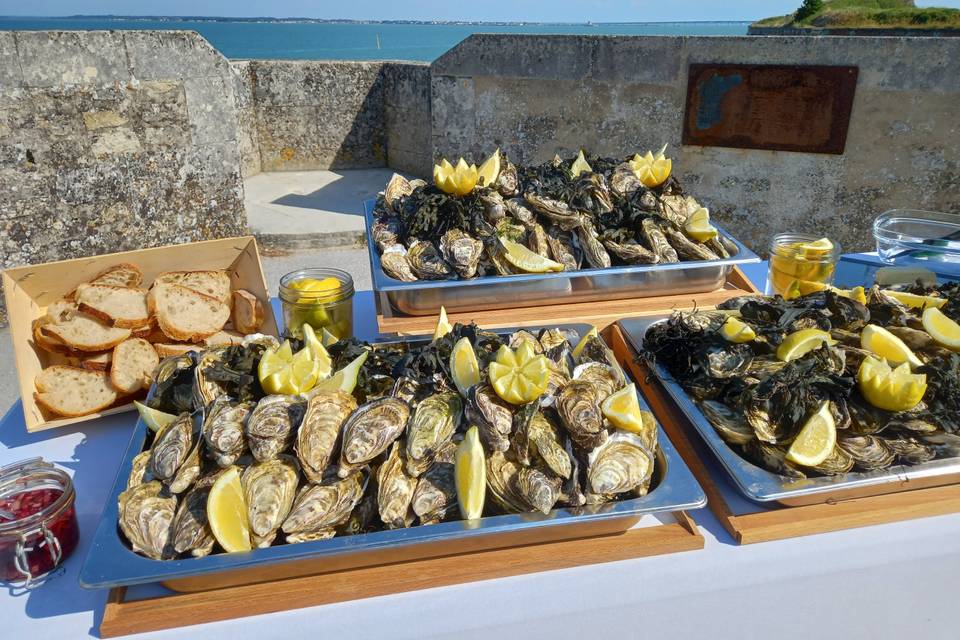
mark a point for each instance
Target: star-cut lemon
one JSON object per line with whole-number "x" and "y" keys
{"x": 520, "y": 376}
{"x": 456, "y": 180}
{"x": 282, "y": 371}
{"x": 944, "y": 330}
{"x": 652, "y": 170}
{"x": 890, "y": 389}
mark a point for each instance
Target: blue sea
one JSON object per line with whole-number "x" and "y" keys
{"x": 324, "y": 41}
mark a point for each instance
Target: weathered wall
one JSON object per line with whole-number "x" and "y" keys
{"x": 248, "y": 135}
{"x": 112, "y": 141}
{"x": 534, "y": 96}
{"x": 407, "y": 112}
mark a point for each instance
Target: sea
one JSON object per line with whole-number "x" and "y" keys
{"x": 360, "y": 41}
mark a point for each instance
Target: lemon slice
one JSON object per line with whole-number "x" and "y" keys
{"x": 807, "y": 287}
{"x": 698, "y": 225}
{"x": 443, "y": 325}
{"x": 815, "y": 250}
{"x": 345, "y": 380}
{"x": 579, "y": 165}
{"x": 470, "y": 472}
{"x": 890, "y": 389}
{"x": 800, "y": 343}
{"x": 916, "y": 301}
{"x": 623, "y": 411}
{"x": 816, "y": 439}
{"x": 280, "y": 371}
{"x": 316, "y": 287}
{"x": 154, "y": 418}
{"x": 593, "y": 333}
{"x": 737, "y": 331}
{"x": 886, "y": 345}
{"x": 227, "y": 512}
{"x": 464, "y": 368}
{"x": 520, "y": 376}
{"x": 793, "y": 291}
{"x": 526, "y": 260}
{"x": 944, "y": 330}
{"x": 319, "y": 352}
{"x": 490, "y": 169}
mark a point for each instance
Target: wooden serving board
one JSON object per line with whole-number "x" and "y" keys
{"x": 749, "y": 522}
{"x": 600, "y": 314}
{"x": 123, "y": 615}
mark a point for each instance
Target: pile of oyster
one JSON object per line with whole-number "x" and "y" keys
{"x": 758, "y": 403}
{"x": 578, "y": 215}
{"x": 332, "y": 463}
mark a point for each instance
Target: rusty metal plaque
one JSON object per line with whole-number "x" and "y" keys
{"x": 758, "y": 106}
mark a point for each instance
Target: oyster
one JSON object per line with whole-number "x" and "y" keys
{"x": 494, "y": 208}
{"x": 436, "y": 492}
{"x": 397, "y": 188}
{"x": 138, "y": 470}
{"x": 502, "y": 477}
{"x": 370, "y": 430}
{"x": 523, "y": 336}
{"x": 319, "y": 508}
{"x": 385, "y": 233}
{"x": 509, "y": 229}
{"x": 223, "y": 429}
{"x": 772, "y": 459}
{"x": 687, "y": 248}
{"x": 538, "y": 490}
{"x": 551, "y": 340}
{"x": 579, "y": 410}
{"x": 395, "y": 490}
{"x": 191, "y": 531}
{"x": 426, "y": 262}
{"x": 272, "y": 425}
{"x": 518, "y": 209}
{"x": 493, "y": 416}
{"x": 269, "y": 489}
{"x": 320, "y": 431}
{"x": 175, "y": 447}
{"x": 868, "y": 452}
{"x": 677, "y": 208}
{"x": 173, "y": 380}
{"x": 432, "y": 426}
{"x": 731, "y": 426}
{"x": 593, "y": 249}
{"x": 655, "y": 238}
{"x": 627, "y": 249}
{"x": 396, "y": 264}
{"x": 622, "y": 463}
{"x": 836, "y": 463}
{"x": 602, "y": 376}
{"x": 462, "y": 252}
{"x": 507, "y": 182}
{"x": 911, "y": 451}
{"x": 537, "y": 241}
{"x": 205, "y": 389}
{"x": 596, "y": 350}
{"x": 146, "y": 519}
{"x": 562, "y": 248}
{"x": 545, "y": 441}
{"x": 555, "y": 211}
{"x": 624, "y": 181}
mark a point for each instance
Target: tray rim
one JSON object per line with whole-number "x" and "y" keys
{"x": 758, "y": 484}
{"x": 678, "y": 490}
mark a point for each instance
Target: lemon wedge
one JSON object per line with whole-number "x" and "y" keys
{"x": 800, "y": 343}
{"x": 526, "y": 260}
{"x": 623, "y": 411}
{"x": 443, "y": 325}
{"x": 520, "y": 376}
{"x": 154, "y": 418}
{"x": 857, "y": 293}
{"x": 588, "y": 336}
{"x": 886, "y": 345}
{"x": 346, "y": 379}
{"x": 464, "y": 368}
{"x": 652, "y": 170}
{"x": 890, "y": 389}
{"x": 579, "y": 165}
{"x": 698, "y": 225}
{"x": 227, "y": 512}
{"x": 816, "y": 439}
{"x": 915, "y": 301}
{"x": 489, "y": 171}
{"x": 793, "y": 291}
{"x": 318, "y": 351}
{"x": 737, "y": 331}
{"x": 282, "y": 371}
{"x": 470, "y": 472}
{"x": 328, "y": 338}
{"x": 316, "y": 287}
{"x": 944, "y": 330}
{"x": 815, "y": 250}
{"x": 808, "y": 286}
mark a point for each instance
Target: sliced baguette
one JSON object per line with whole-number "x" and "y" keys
{"x": 73, "y": 392}
{"x": 165, "y": 350}
{"x": 85, "y": 333}
{"x": 185, "y": 315}
{"x": 223, "y": 338}
{"x": 215, "y": 284}
{"x": 61, "y": 310}
{"x": 50, "y": 344}
{"x": 99, "y": 362}
{"x": 247, "y": 312}
{"x": 145, "y": 331}
{"x": 121, "y": 306}
{"x": 120, "y": 275}
{"x": 133, "y": 363}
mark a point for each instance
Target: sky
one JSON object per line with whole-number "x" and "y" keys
{"x": 478, "y": 10}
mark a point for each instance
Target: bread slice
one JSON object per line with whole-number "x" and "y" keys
{"x": 48, "y": 343}
{"x": 165, "y": 350}
{"x": 120, "y": 275}
{"x": 99, "y": 362}
{"x": 85, "y": 333}
{"x": 185, "y": 315}
{"x": 223, "y": 338}
{"x": 215, "y": 284}
{"x": 61, "y": 310}
{"x": 133, "y": 363}
{"x": 73, "y": 392}
{"x": 247, "y": 312}
{"x": 145, "y": 331}
{"x": 121, "y": 306}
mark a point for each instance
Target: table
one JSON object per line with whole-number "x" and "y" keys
{"x": 896, "y": 580}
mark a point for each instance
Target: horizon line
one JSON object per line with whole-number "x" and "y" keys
{"x": 367, "y": 20}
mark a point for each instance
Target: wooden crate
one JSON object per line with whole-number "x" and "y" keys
{"x": 123, "y": 615}
{"x": 30, "y": 289}
{"x": 600, "y": 314}
{"x": 749, "y": 522}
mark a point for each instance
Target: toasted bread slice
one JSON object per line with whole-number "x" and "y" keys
{"x": 145, "y": 331}
{"x": 165, "y": 350}
{"x": 121, "y": 306}
{"x": 215, "y": 284}
{"x": 73, "y": 392}
{"x": 85, "y": 333}
{"x": 120, "y": 275}
{"x": 50, "y": 344}
{"x": 133, "y": 363}
{"x": 99, "y": 362}
{"x": 247, "y": 312}
{"x": 185, "y": 315}
{"x": 223, "y": 338}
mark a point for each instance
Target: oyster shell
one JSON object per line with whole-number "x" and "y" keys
{"x": 687, "y": 248}
{"x": 320, "y": 431}
{"x": 911, "y": 451}
{"x": 502, "y": 477}
{"x": 205, "y": 389}
{"x": 138, "y": 470}
{"x": 657, "y": 241}
{"x": 772, "y": 459}
{"x": 432, "y": 427}
{"x": 518, "y": 209}
{"x": 620, "y": 464}
{"x": 579, "y": 410}
{"x": 397, "y": 188}
{"x": 174, "y": 447}
{"x": 385, "y": 233}
{"x": 395, "y": 489}
{"x": 602, "y": 376}
{"x": 462, "y": 252}
{"x": 624, "y": 181}
{"x": 868, "y": 452}
{"x": 269, "y": 489}
{"x": 436, "y": 492}
{"x": 523, "y": 336}
{"x": 319, "y": 508}
{"x": 836, "y": 463}
{"x": 272, "y": 425}
{"x": 191, "y": 531}
{"x": 554, "y": 210}
{"x": 538, "y": 490}
{"x": 731, "y": 426}
{"x": 562, "y": 248}
{"x": 146, "y": 519}
{"x": 493, "y": 416}
{"x": 507, "y": 182}
{"x": 627, "y": 249}
{"x": 370, "y": 430}
{"x": 593, "y": 249}
{"x": 426, "y": 262}
{"x": 396, "y": 264}
{"x": 545, "y": 443}
{"x": 494, "y": 208}
{"x": 223, "y": 429}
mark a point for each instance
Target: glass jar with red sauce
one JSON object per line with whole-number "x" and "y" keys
{"x": 38, "y": 520}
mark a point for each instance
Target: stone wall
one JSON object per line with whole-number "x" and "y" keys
{"x": 248, "y": 135}
{"x": 112, "y": 141}
{"x": 534, "y": 96}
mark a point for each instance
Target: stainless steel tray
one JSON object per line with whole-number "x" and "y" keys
{"x": 110, "y": 563}
{"x": 425, "y": 297}
{"x": 763, "y": 486}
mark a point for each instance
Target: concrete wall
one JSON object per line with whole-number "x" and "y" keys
{"x": 112, "y": 141}
{"x": 534, "y": 96}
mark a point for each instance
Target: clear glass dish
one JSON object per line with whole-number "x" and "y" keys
{"x": 911, "y": 236}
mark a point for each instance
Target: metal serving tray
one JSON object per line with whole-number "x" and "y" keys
{"x": 424, "y": 297}
{"x": 763, "y": 486}
{"x": 110, "y": 563}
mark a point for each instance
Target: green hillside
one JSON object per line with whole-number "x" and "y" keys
{"x": 851, "y": 14}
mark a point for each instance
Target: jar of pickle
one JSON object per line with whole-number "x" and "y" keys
{"x": 38, "y": 521}
{"x": 801, "y": 264}
{"x": 322, "y": 298}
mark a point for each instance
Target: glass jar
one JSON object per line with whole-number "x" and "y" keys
{"x": 322, "y": 298}
{"x": 798, "y": 269}
{"x": 913, "y": 237}
{"x": 38, "y": 520}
